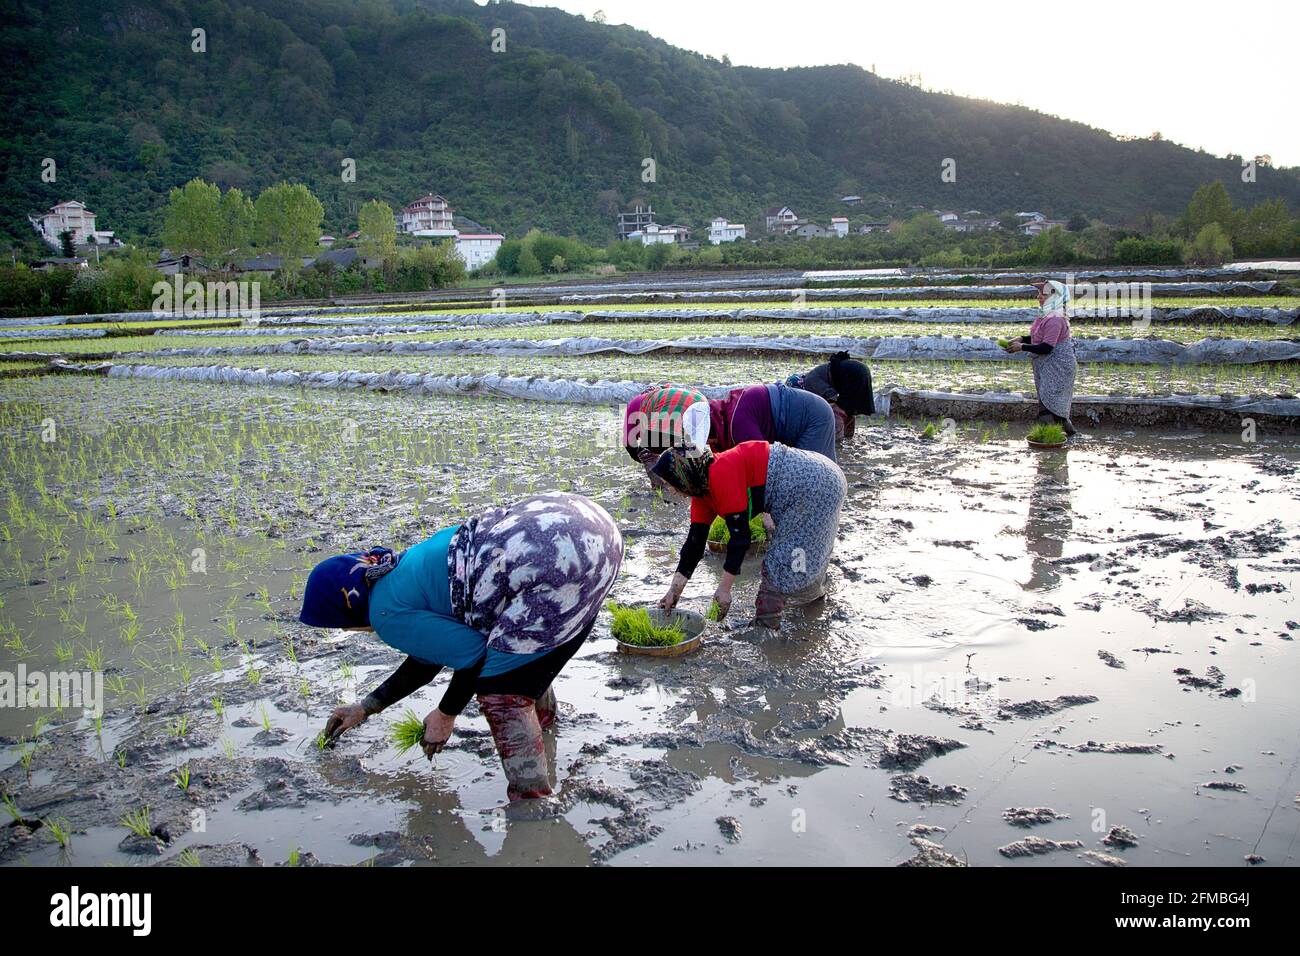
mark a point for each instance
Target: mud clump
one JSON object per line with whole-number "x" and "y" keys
{"x": 1120, "y": 836}
{"x": 1037, "y": 846}
{"x": 1224, "y": 785}
{"x": 1110, "y": 660}
{"x": 730, "y": 828}
{"x": 930, "y": 854}
{"x": 1097, "y": 858}
{"x": 909, "y": 751}
{"x": 1041, "y": 708}
{"x": 1212, "y": 680}
{"x": 918, "y": 788}
{"x": 1031, "y": 816}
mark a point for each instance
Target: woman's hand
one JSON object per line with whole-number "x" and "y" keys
{"x": 722, "y": 598}
{"x": 344, "y": 718}
{"x": 768, "y": 524}
{"x": 675, "y": 588}
{"x": 1015, "y": 346}
{"x": 437, "y": 731}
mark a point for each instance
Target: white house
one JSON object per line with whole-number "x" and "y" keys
{"x": 811, "y": 230}
{"x": 946, "y": 215}
{"x": 840, "y": 226}
{"x": 721, "y": 231}
{"x": 1034, "y": 226}
{"x": 971, "y": 225}
{"x": 1034, "y": 216}
{"x": 71, "y": 216}
{"x": 428, "y": 216}
{"x": 477, "y": 249}
{"x": 781, "y": 219}
{"x": 654, "y": 234}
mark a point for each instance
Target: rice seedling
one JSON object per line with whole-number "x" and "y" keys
{"x": 137, "y": 821}
{"x": 1047, "y": 434}
{"x": 11, "y": 807}
{"x": 714, "y": 612}
{"x": 407, "y": 731}
{"x": 179, "y": 727}
{"x": 219, "y": 707}
{"x": 182, "y": 777}
{"x": 93, "y": 658}
{"x": 189, "y": 857}
{"x": 60, "y": 830}
{"x": 634, "y": 626}
{"x": 228, "y": 748}
{"x": 719, "y": 533}
{"x": 119, "y": 756}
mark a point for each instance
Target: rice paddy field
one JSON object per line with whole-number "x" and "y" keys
{"x": 1033, "y": 659}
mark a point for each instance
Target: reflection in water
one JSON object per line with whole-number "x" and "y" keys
{"x": 1050, "y": 520}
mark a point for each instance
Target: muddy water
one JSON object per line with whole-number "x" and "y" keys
{"x": 1006, "y": 631}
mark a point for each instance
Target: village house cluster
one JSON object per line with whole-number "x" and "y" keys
{"x": 431, "y": 216}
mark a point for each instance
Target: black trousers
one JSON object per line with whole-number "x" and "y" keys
{"x": 532, "y": 679}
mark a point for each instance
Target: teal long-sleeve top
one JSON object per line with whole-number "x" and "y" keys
{"x": 410, "y": 610}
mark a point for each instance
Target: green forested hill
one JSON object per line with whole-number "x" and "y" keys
{"x": 550, "y": 133}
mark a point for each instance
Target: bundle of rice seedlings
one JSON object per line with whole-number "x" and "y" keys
{"x": 1004, "y": 343}
{"x": 715, "y": 612}
{"x": 930, "y": 432}
{"x": 407, "y": 732}
{"x": 1047, "y": 434}
{"x": 634, "y": 626}
{"x": 719, "y": 533}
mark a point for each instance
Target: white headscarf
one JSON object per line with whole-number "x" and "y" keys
{"x": 1058, "y": 299}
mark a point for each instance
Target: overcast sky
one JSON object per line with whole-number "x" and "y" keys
{"x": 1220, "y": 76}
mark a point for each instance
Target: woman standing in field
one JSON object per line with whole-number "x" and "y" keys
{"x": 504, "y": 599}
{"x": 1052, "y": 352}
{"x": 798, "y": 494}
{"x": 845, "y": 383}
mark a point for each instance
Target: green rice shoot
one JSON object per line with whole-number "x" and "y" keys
{"x": 715, "y": 612}
{"x": 1047, "y": 434}
{"x": 632, "y": 625}
{"x": 720, "y": 534}
{"x": 407, "y": 732}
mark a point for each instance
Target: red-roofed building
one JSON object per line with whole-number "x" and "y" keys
{"x": 429, "y": 215}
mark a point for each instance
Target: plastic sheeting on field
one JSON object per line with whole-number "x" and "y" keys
{"x": 605, "y": 392}
{"x": 1131, "y": 274}
{"x": 57, "y": 332}
{"x": 894, "y": 348}
{"x": 934, "y": 314}
{"x": 954, "y": 292}
{"x": 1244, "y": 405}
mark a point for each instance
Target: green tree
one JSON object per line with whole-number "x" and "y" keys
{"x": 1210, "y": 203}
{"x": 66, "y": 248}
{"x": 288, "y": 219}
{"x": 1211, "y": 247}
{"x": 1266, "y": 230}
{"x": 378, "y": 228}
{"x": 237, "y": 220}
{"x": 192, "y": 220}
{"x": 527, "y": 264}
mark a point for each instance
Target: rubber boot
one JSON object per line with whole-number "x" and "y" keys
{"x": 518, "y": 736}
{"x": 768, "y": 605}
{"x": 548, "y": 709}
